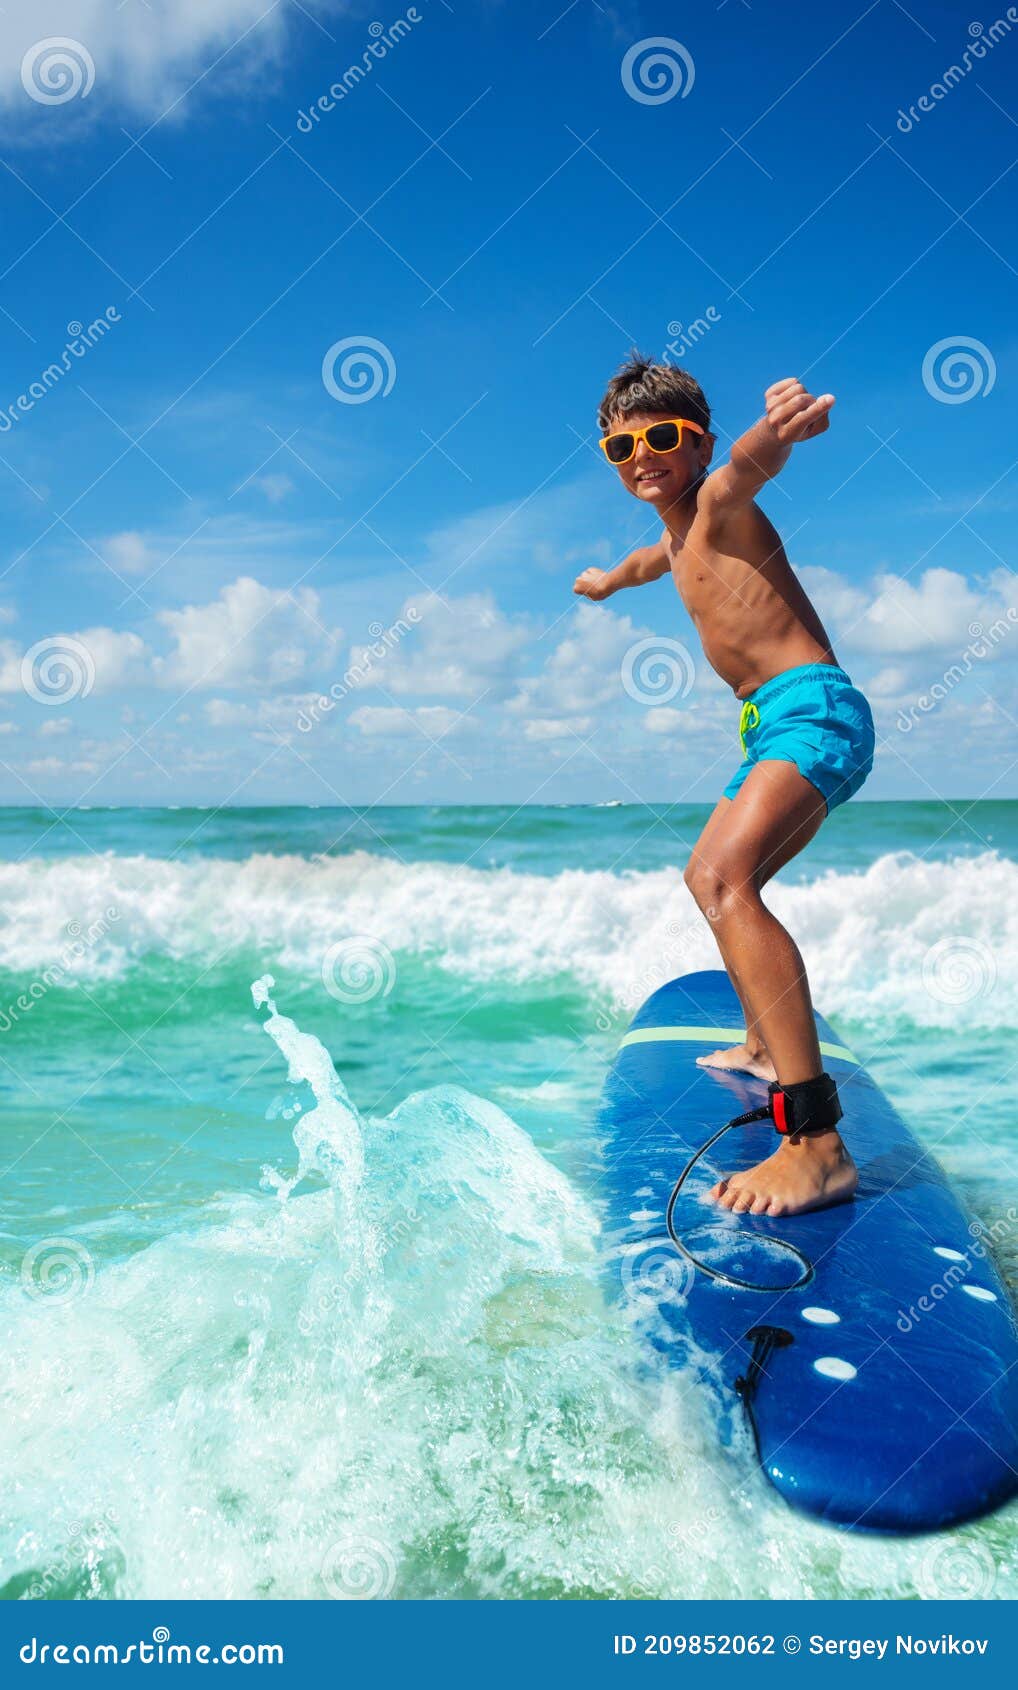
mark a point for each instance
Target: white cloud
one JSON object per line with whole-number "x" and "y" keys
{"x": 433, "y": 721}
{"x": 109, "y": 659}
{"x": 55, "y": 726}
{"x": 457, "y": 648}
{"x": 898, "y": 615}
{"x": 558, "y": 727}
{"x": 275, "y": 487}
{"x": 585, "y": 668}
{"x": 251, "y": 635}
{"x": 146, "y": 56}
{"x": 128, "y": 553}
{"x": 662, "y": 720}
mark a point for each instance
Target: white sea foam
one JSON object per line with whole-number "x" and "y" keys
{"x": 433, "y": 1402}
{"x": 932, "y": 941}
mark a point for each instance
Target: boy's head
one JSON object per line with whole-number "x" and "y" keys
{"x": 641, "y": 394}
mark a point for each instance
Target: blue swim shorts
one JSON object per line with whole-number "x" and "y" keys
{"x": 813, "y": 717}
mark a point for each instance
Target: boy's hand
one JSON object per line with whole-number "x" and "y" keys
{"x": 793, "y": 414}
{"x": 592, "y": 584}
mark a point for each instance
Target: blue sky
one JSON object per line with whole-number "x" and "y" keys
{"x": 210, "y": 536}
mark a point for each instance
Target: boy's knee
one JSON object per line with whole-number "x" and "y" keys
{"x": 718, "y": 888}
{"x": 706, "y": 884}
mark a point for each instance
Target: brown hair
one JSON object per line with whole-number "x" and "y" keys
{"x": 641, "y": 385}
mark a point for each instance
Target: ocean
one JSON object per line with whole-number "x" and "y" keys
{"x": 299, "y": 1255}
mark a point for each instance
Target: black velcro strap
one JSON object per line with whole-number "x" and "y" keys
{"x": 809, "y": 1106}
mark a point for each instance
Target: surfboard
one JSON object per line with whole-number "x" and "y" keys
{"x": 882, "y": 1392}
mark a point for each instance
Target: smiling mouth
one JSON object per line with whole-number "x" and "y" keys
{"x": 652, "y": 475}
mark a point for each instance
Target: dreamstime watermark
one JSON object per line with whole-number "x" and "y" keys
{"x": 57, "y": 670}
{"x": 81, "y": 338}
{"x": 359, "y": 1569}
{"x": 681, "y": 935}
{"x": 981, "y": 42}
{"x": 78, "y": 1560}
{"x": 357, "y": 969}
{"x": 656, "y": 69}
{"x": 686, "y": 335}
{"x": 383, "y": 641}
{"x": 957, "y": 969}
{"x": 379, "y": 47}
{"x": 366, "y": 368}
{"x": 57, "y": 70}
{"x": 159, "y": 1652}
{"x": 325, "y": 1299}
{"x": 957, "y": 1570}
{"x": 57, "y": 1270}
{"x": 653, "y": 1272}
{"x": 657, "y": 669}
{"x": 983, "y": 642}
{"x": 959, "y": 368}
{"x": 961, "y": 1265}
{"x": 81, "y": 941}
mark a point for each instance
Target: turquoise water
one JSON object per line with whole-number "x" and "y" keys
{"x": 280, "y": 1326}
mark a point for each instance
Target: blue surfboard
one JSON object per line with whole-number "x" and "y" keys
{"x": 882, "y": 1393}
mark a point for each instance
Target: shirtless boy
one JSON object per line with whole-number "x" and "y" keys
{"x": 807, "y": 735}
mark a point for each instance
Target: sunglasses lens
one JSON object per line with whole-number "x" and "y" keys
{"x": 664, "y": 437}
{"x": 619, "y": 447}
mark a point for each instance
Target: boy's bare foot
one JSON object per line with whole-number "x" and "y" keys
{"x": 741, "y": 1059}
{"x": 807, "y": 1173}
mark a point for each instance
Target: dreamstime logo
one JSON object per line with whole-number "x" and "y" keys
{"x": 358, "y": 969}
{"x": 962, "y": 1262}
{"x": 359, "y": 1569}
{"x": 983, "y": 641}
{"x": 957, "y": 1571}
{"x": 57, "y": 1270}
{"x": 81, "y": 337}
{"x": 380, "y": 44}
{"x": 957, "y": 369}
{"x": 657, "y": 669}
{"x": 629, "y": 996}
{"x": 367, "y": 368}
{"x": 57, "y": 670}
{"x": 364, "y": 659}
{"x": 654, "y": 1271}
{"x": 655, "y": 70}
{"x": 956, "y": 970}
{"x": 685, "y": 335}
{"x": 982, "y": 40}
{"x": 57, "y": 70}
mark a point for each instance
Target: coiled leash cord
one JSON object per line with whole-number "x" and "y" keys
{"x": 810, "y": 1106}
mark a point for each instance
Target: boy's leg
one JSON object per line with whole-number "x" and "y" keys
{"x": 752, "y": 1056}
{"x": 773, "y": 815}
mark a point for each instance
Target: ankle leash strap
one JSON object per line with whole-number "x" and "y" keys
{"x": 808, "y": 1106}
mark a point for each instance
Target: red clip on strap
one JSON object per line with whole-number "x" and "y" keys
{"x": 778, "y": 1107}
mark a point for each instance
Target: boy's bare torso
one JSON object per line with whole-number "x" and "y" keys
{"x": 753, "y": 616}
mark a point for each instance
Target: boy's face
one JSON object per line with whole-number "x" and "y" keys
{"x": 661, "y": 478}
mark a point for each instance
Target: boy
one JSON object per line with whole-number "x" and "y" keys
{"x": 807, "y": 736}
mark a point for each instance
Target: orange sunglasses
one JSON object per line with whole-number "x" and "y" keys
{"x": 660, "y": 437}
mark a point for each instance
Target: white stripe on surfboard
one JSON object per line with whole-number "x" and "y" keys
{"x": 716, "y": 1036}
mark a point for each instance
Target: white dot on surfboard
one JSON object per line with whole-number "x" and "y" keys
{"x": 948, "y": 1255}
{"x": 832, "y": 1367}
{"x": 981, "y": 1293}
{"x": 821, "y": 1317}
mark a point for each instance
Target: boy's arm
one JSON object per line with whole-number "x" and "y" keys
{"x": 792, "y": 415}
{"x": 648, "y": 563}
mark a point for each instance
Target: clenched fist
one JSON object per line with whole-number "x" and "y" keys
{"x": 592, "y": 584}
{"x": 794, "y": 414}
